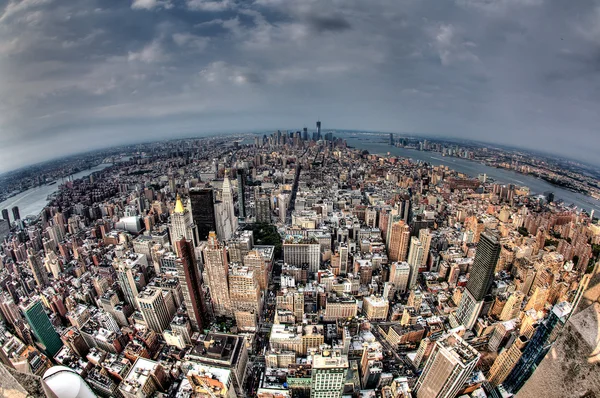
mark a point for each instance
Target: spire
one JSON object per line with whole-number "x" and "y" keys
{"x": 179, "y": 206}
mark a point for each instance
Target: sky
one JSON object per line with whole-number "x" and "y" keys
{"x": 77, "y": 75}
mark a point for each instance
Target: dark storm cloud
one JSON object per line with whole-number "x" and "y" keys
{"x": 331, "y": 23}
{"x": 89, "y": 73}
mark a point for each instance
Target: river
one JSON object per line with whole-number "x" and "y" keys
{"x": 33, "y": 201}
{"x": 473, "y": 169}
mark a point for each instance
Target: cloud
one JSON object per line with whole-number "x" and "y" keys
{"x": 79, "y": 74}
{"x": 150, "y": 4}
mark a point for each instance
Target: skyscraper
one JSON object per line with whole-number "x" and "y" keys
{"x": 537, "y": 347}
{"x": 5, "y": 215}
{"x": 16, "y": 215}
{"x": 318, "y": 130}
{"x": 203, "y": 211}
{"x": 399, "y": 239}
{"x": 329, "y": 371}
{"x": 182, "y": 224}
{"x": 191, "y": 284}
{"x": 41, "y": 326}
{"x": 37, "y": 268}
{"x": 450, "y": 364}
{"x": 157, "y": 308}
{"x": 241, "y": 186}
{"x": 217, "y": 271}
{"x": 506, "y": 361}
{"x": 425, "y": 238}
{"x": 263, "y": 210}
{"x": 391, "y": 138}
{"x": 480, "y": 280}
{"x": 244, "y": 293}
{"x": 415, "y": 257}
{"x": 127, "y": 281}
{"x": 224, "y": 211}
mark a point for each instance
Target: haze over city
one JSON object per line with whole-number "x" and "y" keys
{"x": 81, "y": 75}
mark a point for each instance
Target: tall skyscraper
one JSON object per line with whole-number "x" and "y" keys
{"x": 391, "y": 138}
{"x": 5, "y": 215}
{"x": 203, "y": 211}
{"x": 399, "y": 239}
{"x": 16, "y": 215}
{"x": 329, "y": 371}
{"x": 425, "y": 238}
{"x": 512, "y": 307}
{"x": 318, "y": 130}
{"x": 182, "y": 224}
{"x": 225, "y": 216}
{"x": 241, "y": 186}
{"x": 190, "y": 279}
{"x": 480, "y": 280}
{"x": 450, "y": 364}
{"x": 41, "y": 326}
{"x": 537, "y": 347}
{"x": 415, "y": 257}
{"x": 37, "y": 268}
{"x": 217, "y": 271}
{"x": 400, "y": 276}
{"x": 125, "y": 268}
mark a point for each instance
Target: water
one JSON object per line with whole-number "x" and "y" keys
{"x": 473, "y": 169}
{"x": 33, "y": 201}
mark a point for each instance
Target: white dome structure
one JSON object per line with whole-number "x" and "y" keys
{"x": 66, "y": 383}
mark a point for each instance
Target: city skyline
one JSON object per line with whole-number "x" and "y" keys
{"x": 86, "y": 75}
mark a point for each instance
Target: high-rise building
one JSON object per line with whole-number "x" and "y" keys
{"x": 399, "y": 239}
{"x": 157, "y": 308}
{"x": 301, "y": 251}
{"x": 506, "y": 361}
{"x": 318, "y": 130}
{"x": 182, "y": 224}
{"x": 480, "y": 280}
{"x": 263, "y": 209}
{"x": 203, "y": 211}
{"x": 37, "y": 268}
{"x": 41, "y": 326}
{"x": 512, "y": 307}
{"x": 217, "y": 271}
{"x": 190, "y": 280}
{"x": 224, "y": 212}
{"x": 244, "y": 293}
{"x": 415, "y": 258}
{"x": 15, "y": 212}
{"x": 425, "y": 238}
{"x": 450, "y": 364}
{"x": 391, "y": 138}
{"x": 537, "y": 347}
{"x": 241, "y": 187}
{"x": 329, "y": 371}
{"x": 399, "y": 276}
{"x": 127, "y": 281}
{"x": 5, "y": 215}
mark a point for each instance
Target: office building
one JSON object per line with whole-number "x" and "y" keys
{"x": 41, "y": 326}
{"x": 182, "y": 224}
{"x": 157, "y": 308}
{"x": 328, "y": 376}
{"x": 300, "y": 251}
{"x": 203, "y": 211}
{"x": 375, "y": 308}
{"x": 263, "y": 209}
{"x": 37, "y": 268}
{"x": 245, "y": 297}
{"x": 449, "y": 366}
{"x": 506, "y": 361}
{"x": 415, "y": 258}
{"x": 400, "y": 276}
{"x": 512, "y": 307}
{"x": 190, "y": 280}
{"x": 425, "y": 238}
{"x": 15, "y": 212}
{"x": 480, "y": 280}
{"x": 537, "y": 347}
{"x": 241, "y": 188}
{"x": 217, "y": 270}
{"x": 399, "y": 240}
{"x": 5, "y": 215}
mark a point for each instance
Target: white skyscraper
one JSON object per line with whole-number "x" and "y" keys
{"x": 415, "y": 258}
